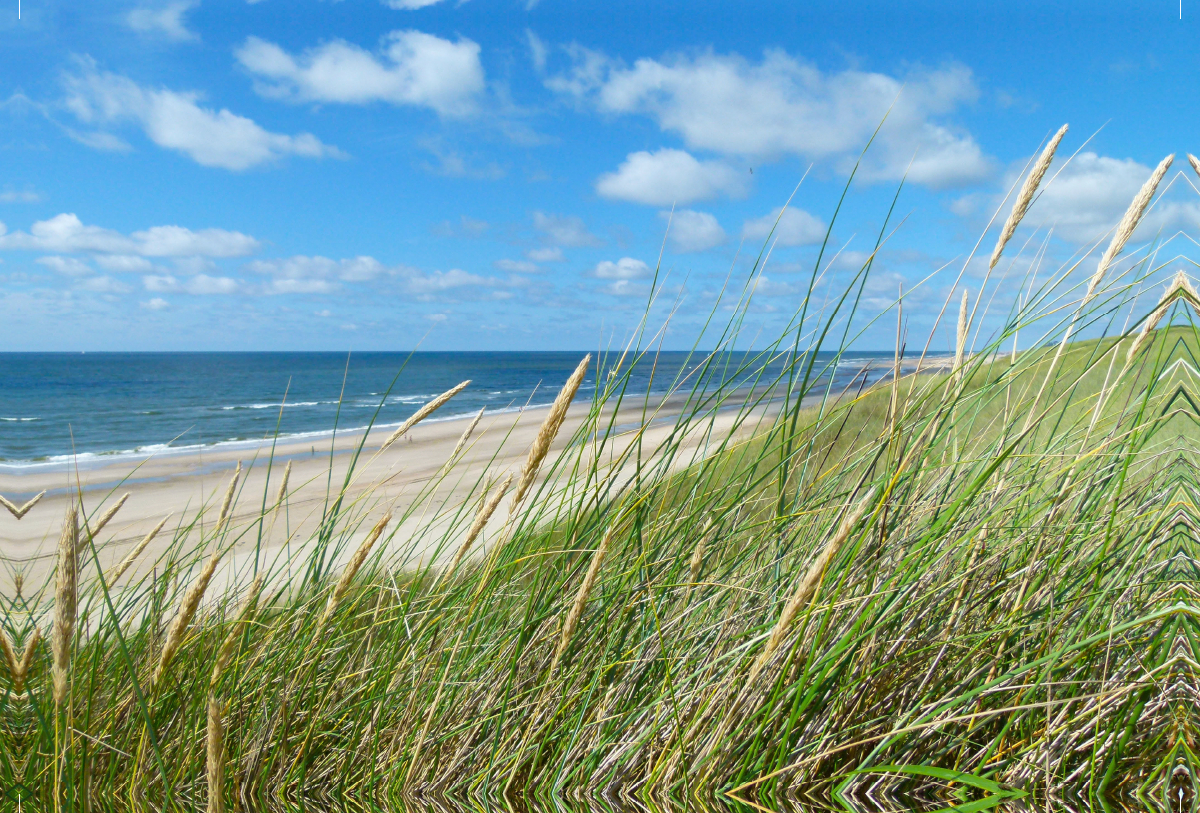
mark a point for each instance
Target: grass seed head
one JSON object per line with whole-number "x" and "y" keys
{"x": 215, "y": 753}
{"x": 66, "y": 581}
{"x": 132, "y": 556}
{"x": 423, "y": 413}
{"x": 1025, "y": 196}
{"x": 581, "y": 597}
{"x": 547, "y": 432}
{"x": 21, "y": 511}
{"x": 352, "y": 568}
{"x": 183, "y": 615}
{"x": 1129, "y": 222}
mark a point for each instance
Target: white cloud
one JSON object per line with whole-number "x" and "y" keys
{"x": 517, "y": 266}
{"x": 781, "y": 105}
{"x": 561, "y": 230}
{"x": 693, "y": 231}
{"x": 102, "y": 285}
{"x": 551, "y": 254}
{"x": 625, "y": 287}
{"x": 155, "y": 304}
{"x": 300, "y": 286}
{"x": 411, "y": 68}
{"x": 795, "y": 227}
{"x": 166, "y": 21}
{"x": 123, "y": 262}
{"x": 537, "y": 50}
{"x": 409, "y": 5}
{"x": 66, "y": 233}
{"x": 66, "y": 265}
{"x": 440, "y": 281}
{"x": 356, "y": 269}
{"x": 27, "y": 196}
{"x": 626, "y": 268}
{"x": 200, "y": 284}
{"x": 436, "y": 317}
{"x": 204, "y": 284}
{"x": 669, "y": 176}
{"x": 174, "y": 120}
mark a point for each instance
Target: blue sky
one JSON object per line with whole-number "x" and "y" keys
{"x": 497, "y": 175}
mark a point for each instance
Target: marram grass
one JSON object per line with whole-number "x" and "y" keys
{"x": 975, "y": 589}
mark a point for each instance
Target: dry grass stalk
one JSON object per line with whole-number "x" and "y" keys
{"x": 423, "y": 413}
{"x": 960, "y": 345}
{"x": 697, "y": 560}
{"x": 356, "y": 562}
{"x": 26, "y": 661}
{"x": 215, "y": 741}
{"x": 585, "y": 590}
{"x": 132, "y": 556}
{"x": 10, "y": 655}
{"x": 1129, "y": 222}
{"x": 283, "y": 492}
{"x": 21, "y": 511}
{"x": 104, "y": 520}
{"x": 466, "y": 435}
{"x": 1025, "y": 196}
{"x": 547, "y": 433}
{"x": 185, "y": 613}
{"x": 227, "y": 502}
{"x": 486, "y": 509}
{"x": 66, "y": 588}
{"x": 808, "y": 585}
{"x": 1179, "y": 286}
{"x": 227, "y": 646}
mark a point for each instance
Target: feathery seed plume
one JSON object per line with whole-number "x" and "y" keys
{"x": 423, "y": 413}
{"x": 546, "y": 434}
{"x": 10, "y": 655}
{"x": 466, "y": 435}
{"x": 960, "y": 345}
{"x": 283, "y": 485}
{"x": 183, "y": 615}
{"x": 1195, "y": 162}
{"x": 1179, "y": 286}
{"x": 226, "y": 650}
{"x": 104, "y": 519}
{"x": 698, "y": 554}
{"x": 215, "y": 741}
{"x": 65, "y": 596}
{"x": 1025, "y": 196}
{"x": 21, "y": 511}
{"x": 585, "y": 590}
{"x": 1129, "y": 222}
{"x": 26, "y": 662}
{"x": 486, "y": 509}
{"x": 356, "y": 561}
{"x": 227, "y": 503}
{"x": 129, "y": 559}
{"x": 808, "y": 585}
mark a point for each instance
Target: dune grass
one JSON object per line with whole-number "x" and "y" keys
{"x": 971, "y": 587}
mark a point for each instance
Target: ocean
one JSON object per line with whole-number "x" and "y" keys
{"x": 57, "y": 408}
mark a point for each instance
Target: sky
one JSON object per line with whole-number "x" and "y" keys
{"x": 511, "y": 175}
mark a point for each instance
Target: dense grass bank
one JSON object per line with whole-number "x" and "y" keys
{"x": 970, "y": 587}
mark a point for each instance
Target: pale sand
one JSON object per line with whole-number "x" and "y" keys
{"x": 181, "y": 484}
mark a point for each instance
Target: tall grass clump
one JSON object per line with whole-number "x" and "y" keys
{"x": 966, "y": 584}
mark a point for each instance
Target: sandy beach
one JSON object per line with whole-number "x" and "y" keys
{"x": 190, "y": 486}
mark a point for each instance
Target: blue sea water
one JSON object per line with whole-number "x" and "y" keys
{"x": 56, "y": 407}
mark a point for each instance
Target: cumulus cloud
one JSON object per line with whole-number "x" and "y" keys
{"x": 549, "y": 254}
{"x": 176, "y": 121}
{"x": 1092, "y": 191}
{"x": 517, "y": 266}
{"x": 200, "y": 285}
{"x": 102, "y": 285}
{"x": 669, "y": 176}
{"x": 409, "y": 5}
{"x": 626, "y": 268}
{"x": 410, "y": 68}
{"x": 165, "y": 21}
{"x": 67, "y": 234}
{"x": 356, "y": 269}
{"x": 781, "y": 105}
{"x": 795, "y": 227}
{"x": 565, "y": 231}
{"x": 65, "y": 265}
{"x": 692, "y": 231}
{"x": 123, "y": 262}
{"x": 25, "y": 196}
{"x": 155, "y": 304}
